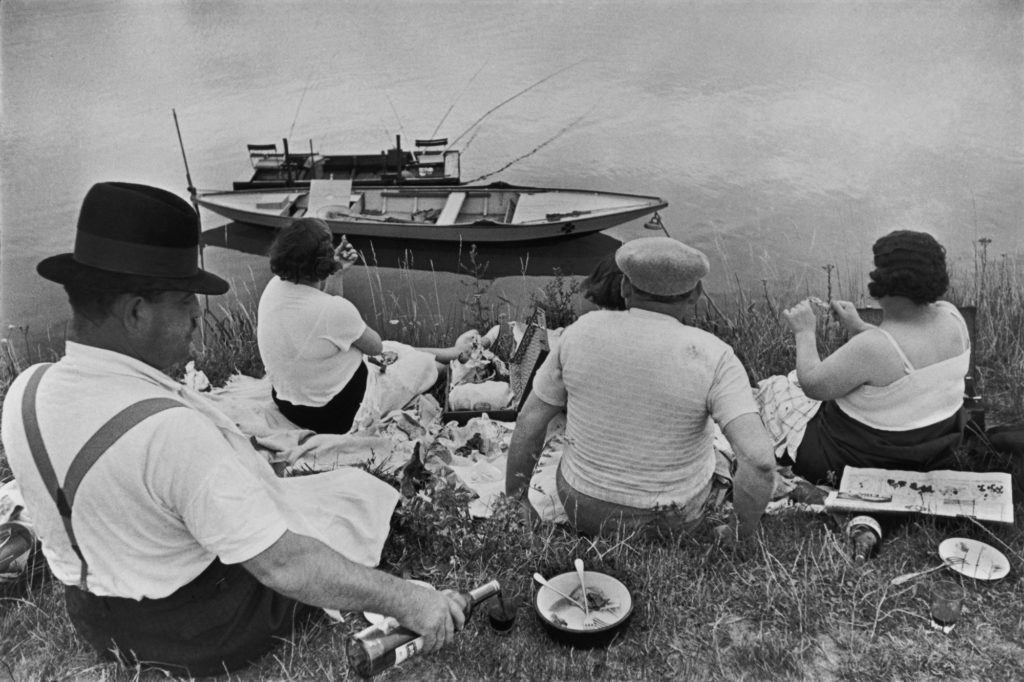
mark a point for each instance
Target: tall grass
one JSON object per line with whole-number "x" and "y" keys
{"x": 750, "y": 322}
{"x": 792, "y": 606}
{"x": 996, "y": 287}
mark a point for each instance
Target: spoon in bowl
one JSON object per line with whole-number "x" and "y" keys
{"x": 539, "y": 578}
{"x": 583, "y": 586}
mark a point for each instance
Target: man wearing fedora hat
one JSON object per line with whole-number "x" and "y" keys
{"x": 151, "y": 507}
{"x": 640, "y": 390}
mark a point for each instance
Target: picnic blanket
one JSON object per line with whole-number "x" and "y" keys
{"x": 473, "y": 455}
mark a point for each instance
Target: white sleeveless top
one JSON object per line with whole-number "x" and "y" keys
{"x": 921, "y": 397}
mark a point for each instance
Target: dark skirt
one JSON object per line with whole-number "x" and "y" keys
{"x": 834, "y": 440}
{"x": 221, "y": 621}
{"x": 334, "y": 417}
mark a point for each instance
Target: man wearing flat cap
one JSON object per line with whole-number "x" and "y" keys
{"x": 640, "y": 390}
{"x": 152, "y": 508}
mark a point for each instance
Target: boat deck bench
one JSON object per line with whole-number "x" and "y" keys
{"x": 450, "y": 212}
{"x": 281, "y": 206}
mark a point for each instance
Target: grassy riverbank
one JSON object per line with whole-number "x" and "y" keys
{"x": 790, "y": 606}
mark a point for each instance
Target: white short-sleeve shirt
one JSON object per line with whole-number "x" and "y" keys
{"x": 305, "y": 339}
{"x": 640, "y": 391}
{"x": 156, "y": 509}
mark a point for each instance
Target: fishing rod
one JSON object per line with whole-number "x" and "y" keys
{"x": 534, "y": 150}
{"x": 457, "y": 98}
{"x": 398, "y": 118}
{"x": 309, "y": 81}
{"x": 195, "y": 205}
{"x": 501, "y": 104}
{"x": 656, "y": 223}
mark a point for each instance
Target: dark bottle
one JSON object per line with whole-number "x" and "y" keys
{"x": 865, "y": 533}
{"x": 387, "y": 643}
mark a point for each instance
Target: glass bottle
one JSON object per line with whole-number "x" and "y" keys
{"x": 387, "y": 643}
{"x": 865, "y": 533}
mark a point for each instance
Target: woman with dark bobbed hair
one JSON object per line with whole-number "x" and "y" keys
{"x": 601, "y": 287}
{"x": 892, "y": 396}
{"x": 315, "y": 344}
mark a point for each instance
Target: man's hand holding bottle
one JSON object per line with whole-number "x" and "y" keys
{"x": 434, "y": 615}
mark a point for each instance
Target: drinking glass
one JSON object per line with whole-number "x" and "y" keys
{"x": 947, "y": 602}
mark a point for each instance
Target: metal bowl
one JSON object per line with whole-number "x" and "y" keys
{"x": 610, "y": 604}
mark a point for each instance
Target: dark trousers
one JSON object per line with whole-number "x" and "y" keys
{"x": 334, "y": 417}
{"x": 221, "y": 621}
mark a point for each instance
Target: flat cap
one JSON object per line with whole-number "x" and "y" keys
{"x": 662, "y": 265}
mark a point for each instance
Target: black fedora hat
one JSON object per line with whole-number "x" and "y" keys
{"x": 132, "y": 238}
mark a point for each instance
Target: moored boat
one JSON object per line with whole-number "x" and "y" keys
{"x": 430, "y": 162}
{"x": 482, "y": 213}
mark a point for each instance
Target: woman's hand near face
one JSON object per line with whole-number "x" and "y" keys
{"x": 346, "y": 254}
{"x": 847, "y": 315}
{"x": 800, "y": 317}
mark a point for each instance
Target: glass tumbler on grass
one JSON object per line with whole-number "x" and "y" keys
{"x": 947, "y": 602}
{"x": 502, "y": 613}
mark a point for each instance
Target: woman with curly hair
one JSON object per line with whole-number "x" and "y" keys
{"x": 891, "y": 396}
{"x": 315, "y": 344}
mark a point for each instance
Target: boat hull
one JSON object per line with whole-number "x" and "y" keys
{"x": 531, "y": 214}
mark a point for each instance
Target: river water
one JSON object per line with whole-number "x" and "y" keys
{"x": 784, "y": 135}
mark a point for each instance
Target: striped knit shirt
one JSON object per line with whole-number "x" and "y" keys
{"x": 640, "y": 391}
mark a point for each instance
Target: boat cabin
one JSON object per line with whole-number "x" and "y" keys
{"x": 430, "y": 163}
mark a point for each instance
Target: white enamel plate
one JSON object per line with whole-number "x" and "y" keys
{"x": 974, "y": 559}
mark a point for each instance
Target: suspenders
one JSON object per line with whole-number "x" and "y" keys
{"x": 108, "y": 434}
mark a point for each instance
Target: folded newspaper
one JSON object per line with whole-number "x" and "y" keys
{"x": 984, "y": 496}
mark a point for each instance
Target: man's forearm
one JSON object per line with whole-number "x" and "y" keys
{"x": 309, "y": 571}
{"x": 526, "y": 444}
{"x": 751, "y": 493}
{"x": 523, "y": 453}
{"x": 755, "y": 473}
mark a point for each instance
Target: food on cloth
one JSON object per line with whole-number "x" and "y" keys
{"x": 480, "y": 382}
{"x": 486, "y": 395}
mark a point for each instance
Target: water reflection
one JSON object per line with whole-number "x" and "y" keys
{"x": 574, "y": 256}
